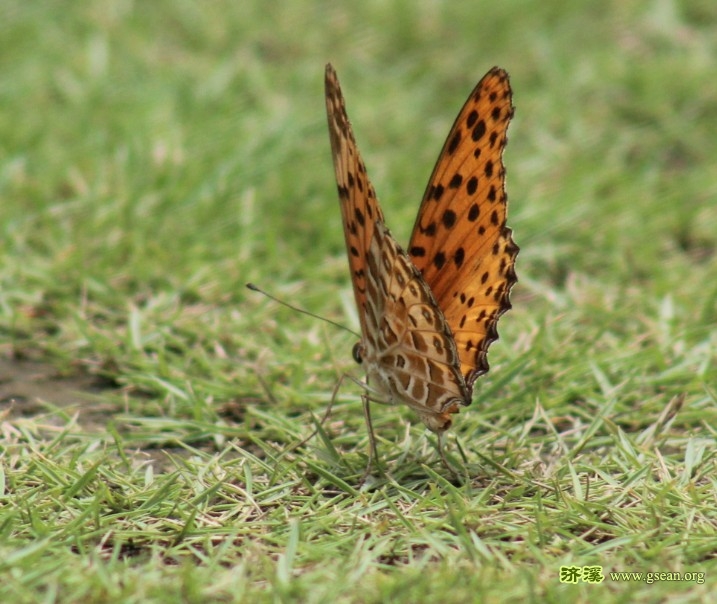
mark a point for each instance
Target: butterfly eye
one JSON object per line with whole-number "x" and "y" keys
{"x": 356, "y": 353}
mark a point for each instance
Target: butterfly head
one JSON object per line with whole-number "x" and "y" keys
{"x": 357, "y": 353}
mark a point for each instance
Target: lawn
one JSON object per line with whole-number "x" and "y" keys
{"x": 156, "y": 156}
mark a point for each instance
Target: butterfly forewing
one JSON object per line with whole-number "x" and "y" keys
{"x": 406, "y": 346}
{"x": 460, "y": 241}
{"x": 359, "y": 206}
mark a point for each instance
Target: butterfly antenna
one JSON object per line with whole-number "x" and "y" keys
{"x": 253, "y": 287}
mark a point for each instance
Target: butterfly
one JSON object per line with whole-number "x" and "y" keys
{"x": 429, "y": 314}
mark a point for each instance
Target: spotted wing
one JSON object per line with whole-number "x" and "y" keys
{"x": 460, "y": 241}
{"x": 406, "y": 345}
{"x": 359, "y": 206}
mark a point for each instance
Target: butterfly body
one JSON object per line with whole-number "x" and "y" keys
{"x": 428, "y": 315}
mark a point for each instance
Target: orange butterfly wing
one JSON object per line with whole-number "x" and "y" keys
{"x": 359, "y": 206}
{"x": 460, "y": 241}
{"x": 406, "y": 345}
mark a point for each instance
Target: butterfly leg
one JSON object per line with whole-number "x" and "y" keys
{"x": 373, "y": 451}
{"x": 365, "y": 399}
{"x": 334, "y": 394}
{"x": 444, "y": 459}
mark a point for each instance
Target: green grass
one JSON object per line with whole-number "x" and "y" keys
{"x": 157, "y": 156}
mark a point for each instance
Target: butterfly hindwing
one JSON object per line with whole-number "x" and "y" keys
{"x": 407, "y": 335}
